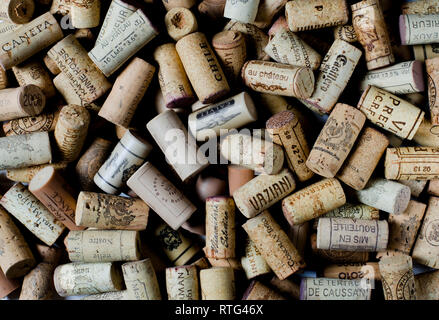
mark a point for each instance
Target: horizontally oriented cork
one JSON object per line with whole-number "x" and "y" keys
{"x": 38, "y": 284}
{"x": 420, "y": 7}
{"x": 416, "y": 186}
{"x": 286, "y": 287}
{"x": 243, "y": 11}
{"x": 274, "y": 245}
{"x": 217, "y": 284}
{"x": 423, "y": 52}
{"x": 427, "y": 134}
{"x": 141, "y": 280}
{"x": 7, "y": 286}
{"x": 418, "y": 28}
{"x": 348, "y": 210}
{"x": 180, "y": 22}
{"x": 33, "y": 72}
{"x": 397, "y": 277}
{"x": 169, "y": 4}
{"x": 85, "y": 13}
{"x": 28, "y": 100}
{"x": 259, "y": 291}
{"x": 252, "y": 261}
{"x": 334, "y": 289}
{"x": 353, "y": 271}
{"x": 432, "y": 67}
{"x": 17, "y": 11}
{"x": 346, "y": 33}
{"x": 42, "y": 122}
{"x": 433, "y": 187}
{"x": 26, "y": 174}
{"x": 238, "y": 176}
{"x": 182, "y": 283}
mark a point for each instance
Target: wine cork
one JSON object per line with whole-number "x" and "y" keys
{"x": 286, "y": 287}
{"x": 305, "y": 205}
{"x": 390, "y": 112}
{"x": 180, "y": 22}
{"x": 231, "y": 50}
{"x": 3, "y": 79}
{"x": 416, "y": 186}
{"x": 28, "y": 100}
{"x": 348, "y": 210}
{"x": 71, "y": 130}
{"x": 31, "y": 124}
{"x": 26, "y": 174}
{"x": 218, "y": 118}
{"x": 141, "y": 280}
{"x": 209, "y": 186}
{"x": 128, "y": 90}
{"x": 124, "y": 160}
{"x": 7, "y": 27}
{"x": 170, "y": 4}
{"x": 363, "y": 159}
{"x": 237, "y": 177}
{"x": 201, "y": 263}
{"x": 25, "y": 150}
{"x": 79, "y": 71}
{"x": 51, "y": 65}
{"x": 259, "y": 291}
{"x": 28, "y": 40}
{"x": 16, "y": 259}
{"x": 299, "y": 236}
{"x": 60, "y": 6}
{"x": 85, "y": 34}
{"x": 179, "y": 147}
{"x": 50, "y": 255}
{"x": 74, "y": 279}
{"x": 286, "y": 47}
{"x": 266, "y": 12}
{"x": 90, "y": 162}
{"x": 202, "y": 68}
{"x": 433, "y": 187}
{"x": 85, "y": 14}
{"x": 420, "y": 7}
{"x": 280, "y": 79}
{"x": 352, "y": 234}
{"x": 38, "y": 284}
{"x": 385, "y": 195}
{"x": 220, "y": 227}
{"x": 262, "y": 192}
{"x": 274, "y": 245}
{"x": 426, "y": 285}
{"x": 217, "y": 284}
{"x": 233, "y": 263}
{"x": 397, "y": 277}
{"x": 334, "y": 289}
{"x": 426, "y": 250}
{"x": 346, "y": 33}
{"x": 161, "y": 195}
{"x": 112, "y": 295}
{"x": 306, "y": 15}
{"x": 27, "y": 209}
{"x": 174, "y": 83}
{"x": 182, "y": 283}
{"x": 113, "y": 51}
{"x": 433, "y": 81}
{"x": 253, "y": 262}
{"x": 427, "y": 135}
{"x": 353, "y": 271}
{"x": 7, "y": 286}
{"x": 419, "y": 28}
{"x": 338, "y": 256}
{"x": 52, "y": 190}
{"x": 212, "y": 9}
{"x": 243, "y": 11}
{"x": 425, "y": 51}
{"x": 103, "y": 245}
{"x": 401, "y": 78}
{"x": 17, "y": 11}
{"x": 105, "y": 211}
{"x": 256, "y": 39}
{"x": 33, "y": 72}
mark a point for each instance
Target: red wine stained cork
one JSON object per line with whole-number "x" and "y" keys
{"x": 337, "y": 256}
{"x": 128, "y": 90}
{"x": 266, "y": 12}
{"x": 220, "y": 227}
{"x": 238, "y": 176}
{"x": 313, "y": 201}
{"x": 286, "y": 131}
{"x": 346, "y": 33}
{"x": 263, "y": 191}
{"x": 106, "y": 211}
{"x": 33, "y": 72}
{"x": 202, "y": 67}
{"x": 390, "y": 112}
{"x": 141, "y": 280}
{"x": 78, "y": 278}
{"x": 182, "y": 283}
{"x": 52, "y": 190}
{"x": 243, "y": 11}
{"x": 420, "y": 7}
{"x": 427, "y": 286}
{"x": 372, "y": 33}
{"x": 231, "y": 50}
{"x": 363, "y": 159}
{"x": 397, "y": 277}
{"x": 17, "y": 11}
{"x": 274, "y": 245}
{"x": 353, "y": 271}
{"x": 419, "y": 28}
{"x": 286, "y": 287}
{"x": 217, "y": 283}
{"x": 174, "y": 83}
{"x": 38, "y": 284}
{"x": 258, "y": 291}
{"x": 7, "y": 286}
{"x": 31, "y": 124}
{"x": 170, "y": 4}
{"x": 303, "y": 15}
{"x": 161, "y": 195}
{"x": 180, "y": 22}
{"x": 334, "y": 289}
{"x": 28, "y": 100}
{"x": 85, "y": 13}
{"x": 432, "y": 66}
{"x": 16, "y": 259}
{"x": 253, "y": 262}
{"x": 51, "y": 65}
{"x": 212, "y": 9}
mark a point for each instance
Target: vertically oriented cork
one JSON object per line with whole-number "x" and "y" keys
{"x": 182, "y": 283}
{"x": 217, "y": 283}
{"x": 141, "y": 280}
{"x": 85, "y": 13}
{"x": 252, "y": 261}
{"x": 243, "y": 11}
{"x": 432, "y": 66}
{"x": 397, "y": 277}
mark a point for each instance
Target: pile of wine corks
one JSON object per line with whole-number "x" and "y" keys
{"x": 219, "y": 150}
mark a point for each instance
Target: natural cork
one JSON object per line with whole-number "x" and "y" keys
{"x": 28, "y": 100}
{"x": 217, "y": 283}
{"x": 397, "y": 277}
{"x": 182, "y": 283}
{"x": 180, "y": 22}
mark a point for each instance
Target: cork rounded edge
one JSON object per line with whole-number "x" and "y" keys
{"x": 391, "y": 166}
{"x": 402, "y": 200}
{"x": 403, "y": 29}
{"x": 418, "y": 76}
{"x": 41, "y": 178}
{"x": 20, "y": 268}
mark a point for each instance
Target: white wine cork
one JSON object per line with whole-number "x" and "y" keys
{"x": 432, "y": 67}
{"x": 280, "y": 79}
{"x": 75, "y": 279}
{"x": 113, "y": 50}
{"x": 397, "y": 277}
{"x": 427, "y": 286}
{"x": 161, "y": 195}
{"x": 353, "y": 271}
{"x": 425, "y": 51}
{"x": 419, "y": 28}
{"x": 426, "y": 246}
{"x": 27, "y": 209}
{"x": 274, "y": 245}
{"x": 337, "y": 256}
{"x": 266, "y": 12}
{"x": 28, "y": 100}
{"x": 42, "y": 122}
{"x": 306, "y": 15}
{"x": 170, "y": 4}
{"x": 401, "y": 78}
{"x": 416, "y": 186}
{"x": 106, "y": 211}
{"x": 180, "y": 22}
{"x": 85, "y": 14}
{"x": 420, "y": 7}
{"x": 346, "y": 33}
{"x": 262, "y": 192}
{"x": 7, "y": 286}
{"x": 141, "y": 280}
{"x": 243, "y": 11}
{"x": 220, "y": 227}
{"x": 372, "y": 33}
{"x": 33, "y": 72}
{"x": 213, "y": 120}
{"x": 335, "y": 71}
{"x": 179, "y": 147}
{"x": 258, "y": 291}
{"x": 217, "y": 284}
{"x": 127, "y": 156}
{"x": 363, "y": 159}
{"x": 253, "y": 262}
{"x": 25, "y": 150}
{"x": 182, "y": 283}
{"x": 17, "y": 11}
{"x": 38, "y": 284}
{"x": 390, "y": 112}
{"x": 334, "y": 289}
{"x": 202, "y": 67}
{"x": 386, "y": 195}
{"x": 82, "y": 76}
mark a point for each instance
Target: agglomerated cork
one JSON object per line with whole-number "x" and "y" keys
{"x": 7, "y": 286}
{"x": 180, "y": 22}
{"x": 346, "y": 33}
{"x": 26, "y": 174}
{"x": 141, "y": 280}
{"x": 397, "y": 277}
{"x": 334, "y": 289}
{"x": 243, "y": 11}
{"x": 42, "y": 122}
{"x": 38, "y": 284}
{"x": 238, "y": 176}
{"x": 17, "y": 11}
{"x": 24, "y": 101}
{"x": 258, "y": 291}
{"x": 217, "y": 283}
{"x": 432, "y": 67}
{"x": 266, "y": 12}
{"x": 353, "y": 271}
{"x": 182, "y": 283}
{"x": 170, "y": 4}
{"x": 33, "y": 72}
{"x": 85, "y": 13}
{"x": 253, "y": 262}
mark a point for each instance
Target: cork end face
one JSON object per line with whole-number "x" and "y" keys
{"x": 21, "y": 11}
{"x": 227, "y": 39}
{"x": 304, "y": 83}
{"x": 402, "y": 200}
{"x": 20, "y": 268}
{"x": 32, "y": 99}
{"x": 281, "y": 119}
{"x": 403, "y": 29}
{"x": 418, "y": 75}
{"x": 41, "y": 178}
{"x": 75, "y": 116}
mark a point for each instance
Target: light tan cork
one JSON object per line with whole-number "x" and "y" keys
{"x": 337, "y": 256}
{"x": 3, "y": 79}
{"x": 432, "y": 67}
{"x": 353, "y": 271}
{"x": 141, "y": 280}
{"x": 346, "y": 33}
{"x": 427, "y": 286}
{"x": 180, "y": 22}
{"x": 182, "y": 283}
{"x": 85, "y": 13}
{"x": 416, "y": 186}
{"x": 266, "y": 12}
{"x": 28, "y": 100}
{"x": 169, "y": 4}
{"x": 217, "y": 283}
{"x": 433, "y": 187}
{"x": 397, "y": 277}
{"x": 31, "y": 124}
{"x": 252, "y": 261}
{"x": 348, "y": 210}
{"x": 420, "y": 7}
{"x": 26, "y": 174}
{"x": 33, "y": 72}
{"x": 51, "y": 65}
